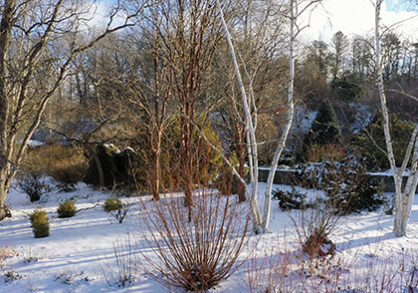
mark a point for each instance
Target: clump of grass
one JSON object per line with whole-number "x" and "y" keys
{"x": 122, "y": 274}
{"x": 5, "y": 253}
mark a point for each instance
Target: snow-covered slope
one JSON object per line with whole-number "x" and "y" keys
{"x": 78, "y": 256}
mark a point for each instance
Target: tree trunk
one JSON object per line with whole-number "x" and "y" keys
{"x": 4, "y": 210}
{"x": 241, "y": 171}
{"x": 286, "y": 130}
{"x": 250, "y": 131}
{"x": 403, "y": 198}
{"x": 5, "y": 38}
{"x": 186, "y": 162}
{"x": 156, "y": 169}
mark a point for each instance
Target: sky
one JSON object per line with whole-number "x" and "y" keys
{"x": 352, "y": 17}
{"x": 356, "y": 17}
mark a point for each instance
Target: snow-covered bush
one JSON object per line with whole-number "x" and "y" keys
{"x": 289, "y": 200}
{"x": 66, "y": 209}
{"x": 40, "y": 223}
{"x": 346, "y": 183}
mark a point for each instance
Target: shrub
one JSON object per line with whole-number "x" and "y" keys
{"x": 313, "y": 228}
{"x": 328, "y": 152}
{"x": 346, "y": 184}
{"x": 371, "y": 142}
{"x": 325, "y": 130}
{"x": 66, "y": 164}
{"x": 40, "y": 223}
{"x": 116, "y": 208}
{"x": 112, "y": 204}
{"x": 289, "y": 200}
{"x": 66, "y": 209}
{"x": 348, "y": 87}
{"x": 32, "y": 185}
{"x": 110, "y": 167}
{"x": 37, "y": 213}
{"x": 5, "y": 253}
{"x": 199, "y": 254}
{"x": 202, "y": 153}
{"x": 123, "y": 271}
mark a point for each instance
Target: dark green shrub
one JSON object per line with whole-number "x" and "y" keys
{"x": 116, "y": 166}
{"x": 325, "y": 127}
{"x": 40, "y": 223}
{"x": 112, "y": 204}
{"x": 348, "y": 188}
{"x": 66, "y": 209}
{"x": 371, "y": 142}
{"x": 325, "y": 130}
{"x": 289, "y": 200}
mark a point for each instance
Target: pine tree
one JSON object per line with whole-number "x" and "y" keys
{"x": 325, "y": 127}
{"x": 325, "y": 130}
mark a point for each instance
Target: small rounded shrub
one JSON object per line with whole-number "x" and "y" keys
{"x": 112, "y": 204}
{"x": 37, "y": 213}
{"x": 40, "y": 223}
{"x": 66, "y": 209}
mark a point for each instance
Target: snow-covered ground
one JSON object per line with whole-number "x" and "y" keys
{"x": 79, "y": 255}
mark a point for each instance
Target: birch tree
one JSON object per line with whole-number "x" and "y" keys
{"x": 260, "y": 223}
{"x": 28, "y": 31}
{"x": 404, "y": 196}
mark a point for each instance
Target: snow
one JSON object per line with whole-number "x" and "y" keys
{"x": 33, "y": 143}
{"x": 78, "y": 256}
{"x": 387, "y": 173}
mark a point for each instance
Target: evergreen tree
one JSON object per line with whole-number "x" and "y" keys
{"x": 325, "y": 127}
{"x": 325, "y": 130}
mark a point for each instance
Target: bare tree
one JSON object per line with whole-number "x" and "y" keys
{"x": 296, "y": 8}
{"x": 188, "y": 33}
{"x": 259, "y": 33}
{"x": 150, "y": 94}
{"x": 28, "y": 30}
{"x": 404, "y": 196}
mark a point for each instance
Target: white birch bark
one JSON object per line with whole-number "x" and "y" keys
{"x": 251, "y": 139}
{"x": 403, "y": 198}
{"x": 286, "y": 130}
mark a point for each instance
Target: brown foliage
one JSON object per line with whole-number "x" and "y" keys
{"x": 329, "y": 152}
{"x": 66, "y": 164}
